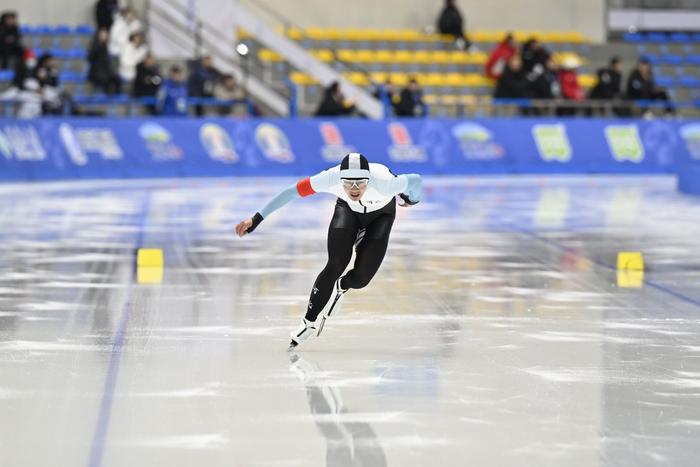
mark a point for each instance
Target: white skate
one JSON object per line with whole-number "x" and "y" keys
{"x": 306, "y": 330}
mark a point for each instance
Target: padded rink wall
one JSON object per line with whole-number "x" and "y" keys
{"x": 688, "y": 165}
{"x": 55, "y": 149}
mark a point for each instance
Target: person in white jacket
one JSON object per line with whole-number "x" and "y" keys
{"x": 125, "y": 24}
{"x": 133, "y": 53}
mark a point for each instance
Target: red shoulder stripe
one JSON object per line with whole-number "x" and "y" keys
{"x": 304, "y": 187}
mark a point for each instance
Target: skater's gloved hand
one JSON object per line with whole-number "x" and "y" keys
{"x": 406, "y": 201}
{"x": 247, "y": 226}
{"x": 243, "y": 226}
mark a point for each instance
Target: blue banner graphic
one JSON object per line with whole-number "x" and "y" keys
{"x": 169, "y": 147}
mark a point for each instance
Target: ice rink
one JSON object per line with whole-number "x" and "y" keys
{"x": 496, "y": 332}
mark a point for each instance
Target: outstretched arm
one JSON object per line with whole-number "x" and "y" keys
{"x": 414, "y": 188}
{"x": 408, "y": 187}
{"x": 299, "y": 190}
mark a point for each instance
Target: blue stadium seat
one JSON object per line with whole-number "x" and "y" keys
{"x": 656, "y": 37}
{"x": 679, "y": 37}
{"x": 689, "y": 82}
{"x": 7, "y": 75}
{"x": 697, "y": 103}
{"x": 57, "y": 52}
{"x": 633, "y": 37}
{"x": 671, "y": 59}
{"x": 696, "y": 37}
{"x": 84, "y": 30}
{"x": 76, "y": 52}
{"x": 71, "y": 77}
{"x": 653, "y": 59}
{"x": 61, "y": 30}
{"x": 42, "y": 30}
{"x": 666, "y": 81}
{"x": 693, "y": 59}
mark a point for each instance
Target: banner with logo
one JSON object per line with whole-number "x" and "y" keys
{"x": 170, "y": 147}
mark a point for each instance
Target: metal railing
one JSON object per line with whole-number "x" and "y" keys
{"x": 126, "y": 106}
{"x": 654, "y": 4}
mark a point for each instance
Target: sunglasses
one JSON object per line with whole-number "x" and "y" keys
{"x": 359, "y": 183}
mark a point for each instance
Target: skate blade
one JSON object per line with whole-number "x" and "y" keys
{"x": 292, "y": 346}
{"x": 320, "y": 327}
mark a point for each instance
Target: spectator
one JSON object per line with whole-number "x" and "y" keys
{"x": 133, "y": 53}
{"x": 105, "y": 11}
{"x": 386, "y": 94}
{"x": 125, "y": 25}
{"x": 30, "y": 100}
{"x": 46, "y": 71}
{"x": 147, "y": 81}
{"x": 513, "y": 84}
{"x": 24, "y": 68}
{"x": 533, "y": 53}
{"x": 411, "y": 102}
{"x": 333, "y": 104}
{"x": 545, "y": 82}
{"x": 202, "y": 80}
{"x": 227, "y": 90}
{"x": 499, "y": 57}
{"x": 10, "y": 41}
{"x": 172, "y": 96}
{"x": 102, "y": 74}
{"x": 641, "y": 85}
{"x": 570, "y": 89}
{"x": 451, "y": 23}
{"x": 609, "y": 85}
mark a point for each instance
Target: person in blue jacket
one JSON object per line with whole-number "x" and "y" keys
{"x": 172, "y": 96}
{"x": 364, "y": 214}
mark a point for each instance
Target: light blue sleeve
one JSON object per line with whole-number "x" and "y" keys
{"x": 415, "y": 187}
{"x": 284, "y": 197}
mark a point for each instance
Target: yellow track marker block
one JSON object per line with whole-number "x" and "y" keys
{"x": 630, "y": 278}
{"x": 149, "y": 266}
{"x": 149, "y": 257}
{"x": 632, "y": 260}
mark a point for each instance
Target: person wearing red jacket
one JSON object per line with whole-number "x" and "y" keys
{"x": 570, "y": 89}
{"x": 499, "y": 57}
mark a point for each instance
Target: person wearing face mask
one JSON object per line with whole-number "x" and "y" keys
{"x": 363, "y": 218}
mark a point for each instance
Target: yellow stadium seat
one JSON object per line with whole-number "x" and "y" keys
{"x": 587, "y": 81}
{"x": 440, "y": 56}
{"x": 346, "y": 55}
{"x": 267, "y": 55}
{"x": 403, "y": 56}
{"x": 302, "y": 79}
{"x": 453, "y": 79}
{"x": 384, "y": 56}
{"x": 324, "y": 55}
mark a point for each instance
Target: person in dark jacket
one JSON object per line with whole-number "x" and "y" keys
{"x": 24, "y": 68}
{"x": 46, "y": 71}
{"x": 641, "y": 86}
{"x": 533, "y": 53}
{"x": 147, "y": 81}
{"x": 333, "y": 104}
{"x": 545, "y": 83}
{"x": 172, "y": 96}
{"x": 609, "y": 85}
{"x": 104, "y": 13}
{"x": 202, "y": 81}
{"x": 411, "y": 102}
{"x": 451, "y": 23}
{"x": 513, "y": 84}
{"x": 10, "y": 41}
{"x": 102, "y": 74}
